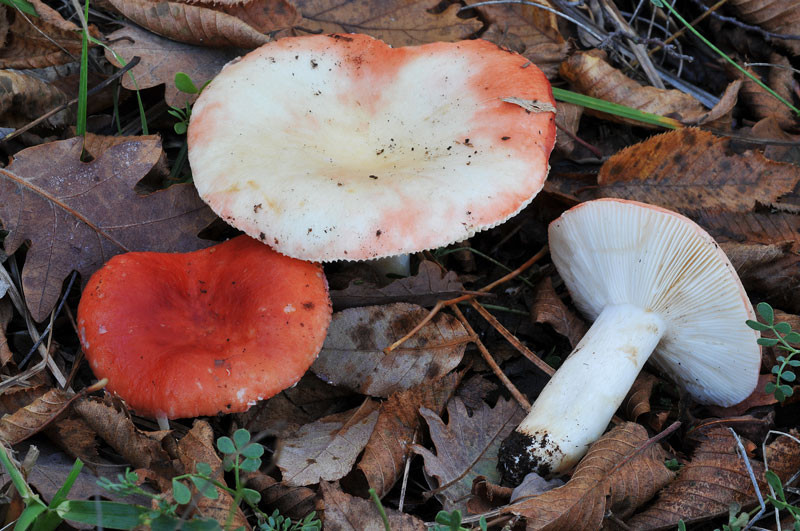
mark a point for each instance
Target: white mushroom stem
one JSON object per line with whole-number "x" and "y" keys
{"x": 163, "y": 421}
{"x": 576, "y": 405}
{"x": 399, "y": 265}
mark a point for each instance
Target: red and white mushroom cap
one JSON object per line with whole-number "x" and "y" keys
{"x": 612, "y": 252}
{"x": 341, "y": 147}
{"x": 206, "y": 332}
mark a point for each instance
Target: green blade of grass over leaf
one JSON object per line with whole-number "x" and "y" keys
{"x": 615, "y": 109}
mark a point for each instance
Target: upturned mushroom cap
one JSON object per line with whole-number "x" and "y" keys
{"x": 182, "y": 335}
{"x": 612, "y": 252}
{"x": 341, "y": 147}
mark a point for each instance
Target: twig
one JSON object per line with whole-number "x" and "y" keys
{"x": 647, "y": 444}
{"x": 519, "y": 397}
{"x": 100, "y": 86}
{"x": 53, "y": 317}
{"x": 405, "y": 476}
{"x": 736, "y": 22}
{"x": 638, "y": 49}
{"x": 681, "y": 31}
{"x": 743, "y": 455}
{"x": 596, "y": 152}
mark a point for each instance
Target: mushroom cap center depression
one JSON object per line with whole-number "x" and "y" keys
{"x": 289, "y": 138}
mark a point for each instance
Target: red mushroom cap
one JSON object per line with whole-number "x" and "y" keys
{"x": 339, "y": 147}
{"x": 182, "y": 335}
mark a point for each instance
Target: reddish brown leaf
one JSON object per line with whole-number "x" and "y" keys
{"x": 239, "y": 26}
{"x": 396, "y": 22}
{"x": 25, "y": 98}
{"x": 783, "y": 456}
{"x": 197, "y": 446}
{"x": 547, "y": 307}
{"x": 78, "y": 215}
{"x": 777, "y": 17}
{"x": 602, "y": 481}
{"x": 487, "y": 496}
{"x": 426, "y": 288}
{"x": 34, "y": 417}
{"x": 353, "y": 356}
{"x": 757, "y": 398}
{"x": 162, "y": 58}
{"x": 348, "y": 513}
{"x": 693, "y": 171}
{"x": 327, "y": 448}
{"x": 140, "y": 449}
{"x": 294, "y": 502}
{"x": 76, "y": 438}
{"x": 568, "y": 119}
{"x": 715, "y": 478}
{"x": 528, "y": 30}
{"x": 466, "y": 447}
{"x": 637, "y": 403}
{"x": 6, "y": 313}
{"x": 18, "y": 397}
{"x": 389, "y": 446}
{"x": 762, "y": 103}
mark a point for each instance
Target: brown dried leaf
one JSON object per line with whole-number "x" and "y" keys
{"x": 782, "y": 455}
{"x": 756, "y": 399}
{"x": 17, "y": 398}
{"x": 294, "y": 502}
{"x": 769, "y": 129}
{"x": 328, "y": 448}
{"x": 197, "y": 446}
{"x": 568, "y": 118}
{"x": 24, "y": 98}
{"x": 779, "y": 79}
{"x": 603, "y": 481}
{"x": 466, "y": 447}
{"x": 474, "y": 390}
{"x": 39, "y": 42}
{"x": 78, "y": 215}
{"x": 31, "y": 419}
{"x": 426, "y": 288}
{"x": 776, "y": 17}
{"x": 692, "y": 171}
{"x": 487, "y": 496}
{"x": 76, "y": 438}
{"x": 141, "y": 449}
{"x": 6, "y": 313}
{"x": 162, "y": 58}
{"x": 769, "y": 227}
{"x": 396, "y": 22}
{"x": 778, "y": 281}
{"x": 353, "y": 356}
{"x": 238, "y": 26}
{"x": 349, "y": 513}
{"x": 527, "y": 30}
{"x": 637, "y": 403}
{"x": 590, "y": 74}
{"x": 547, "y": 307}
{"x": 389, "y": 446}
{"x": 715, "y": 478}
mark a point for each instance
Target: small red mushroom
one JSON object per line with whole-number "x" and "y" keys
{"x": 206, "y": 332}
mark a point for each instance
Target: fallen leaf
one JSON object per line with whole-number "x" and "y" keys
{"x": 547, "y": 307}
{"x": 474, "y": 390}
{"x": 6, "y": 313}
{"x": 140, "y": 449}
{"x": 780, "y": 79}
{"x": 162, "y": 58}
{"x": 327, "y": 448}
{"x": 769, "y": 129}
{"x": 756, "y": 399}
{"x": 78, "y": 215}
{"x": 466, "y": 447}
{"x": 17, "y": 398}
{"x": 691, "y": 171}
{"x": 317, "y": 398}
{"x": 214, "y": 25}
{"x": 76, "y": 438}
{"x": 776, "y": 17}
{"x": 637, "y": 403}
{"x": 197, "y": 446}
{"x": 24, "y": 98}
{"x": 612, "y": 476}
{"x": 782, "y": 455}
{"x": 349, "y": 513}
{"x": 589, "y": 73}
{"x": 395, "y": 22}
{"x": 389, "y": 445}
{"x": 533, "y": 485}
{"x": 487, "y": 496}
{"x": 294, "y": 502}
{"x": 767, "y": 227}
{"x": 34, "y": 417}
{"x": 527, "y": 30}
{"x": 426, "y": 288}
{"x": 352, "y": 355}
{"x": 568, "y": 119}
{"x": 714, "y": 478}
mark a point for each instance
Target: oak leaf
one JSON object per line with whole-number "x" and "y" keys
{"x": 619, "y": 473}
{"x": 162, "y": 58}
{"x": 327, "y": 448}
{"x": 389, "y": 446}
{"x": 344, "y": 512}
{"x": 78, "y": 215}
{"x": 395, "y": 22}
{"x": 34, "y": 417}
{"x": 24, "y": 98}
{"x": 547, "y": 307}
{"x": 466, "y": 447}
{"x": 715, "y": 478}
{"x": 426, "y": 288}
{"x": 215, "y": 25}
{"x": 353, "y": 357}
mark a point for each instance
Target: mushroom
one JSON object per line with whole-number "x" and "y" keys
{"x": 654, "y": 282}
{"x": 339, "y": 147}
{"x": 182, "y": 335}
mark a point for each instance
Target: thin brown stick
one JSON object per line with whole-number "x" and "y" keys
{"x": 511, "y": 338}
{"x": 519, "y": 397}
{"x": 647, "y": 444}
{"x": 469, "y": 296}
{"x": 596, "y": 152}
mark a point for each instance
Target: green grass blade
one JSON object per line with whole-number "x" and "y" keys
{"x": 83, "y": 87}
{"x": 615, "y": 109}
{"x": 23, "y": 5}
{"x": 111, "y": 515}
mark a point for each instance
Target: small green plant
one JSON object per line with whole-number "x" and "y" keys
{"x": 452, "y": 522}
{"x": 276, "y": 522}
{"x": 673, "y": 464}
{"x": 784, "y": 336}
{"x": 185, "y": 84}
{"x": 780, "y": 502}
{"x": 23, "y": 5}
